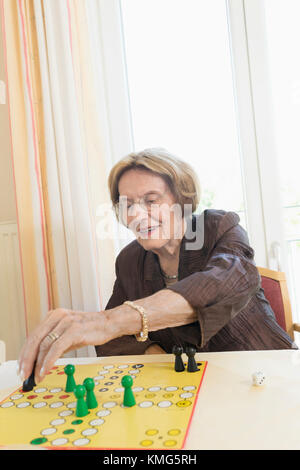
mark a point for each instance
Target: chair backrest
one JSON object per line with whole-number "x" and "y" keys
{"x": 276, "y": 292}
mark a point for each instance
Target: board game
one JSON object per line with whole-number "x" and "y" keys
{"x": 160, "y": 419}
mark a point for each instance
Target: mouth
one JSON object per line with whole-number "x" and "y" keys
{"x": 148, "y": 230}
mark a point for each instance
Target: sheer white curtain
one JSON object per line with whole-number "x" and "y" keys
{"x": 78, "y": 150}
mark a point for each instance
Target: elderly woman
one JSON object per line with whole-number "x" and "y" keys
{"x": 187, "y": 279}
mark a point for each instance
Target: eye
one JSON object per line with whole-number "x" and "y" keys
{"x": 152, "y": 200}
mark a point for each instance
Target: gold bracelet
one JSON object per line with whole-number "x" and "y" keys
{"x": 143, "y": 335}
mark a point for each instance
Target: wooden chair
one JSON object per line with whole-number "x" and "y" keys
{"x": 276, "y": 292}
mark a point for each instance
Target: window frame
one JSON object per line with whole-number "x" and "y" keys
{"x": 254, "y": 107}
{"x": 247, "y": 35}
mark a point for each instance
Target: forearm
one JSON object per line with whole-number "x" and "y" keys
{"x": 164, "y": 309}
{"x": 167, "y": 309}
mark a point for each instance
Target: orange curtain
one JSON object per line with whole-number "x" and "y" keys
{"x": 23, "y": 83}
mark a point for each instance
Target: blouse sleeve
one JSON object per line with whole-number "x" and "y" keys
{"x": 125, "y": 345}
{"x": 226, "y": 284}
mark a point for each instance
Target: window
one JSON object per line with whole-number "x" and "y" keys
{"x": 206, "y": 79}
{"x": 181, "y": 90}
{"x": 283, "y": 35}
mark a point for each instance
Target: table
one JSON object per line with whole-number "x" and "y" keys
{"x": 230, "y": 413}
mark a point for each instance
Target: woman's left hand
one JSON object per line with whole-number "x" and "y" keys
{"x": 62, "y": 330}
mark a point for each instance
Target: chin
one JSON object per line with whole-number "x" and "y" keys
{"x": 152, "y": 244}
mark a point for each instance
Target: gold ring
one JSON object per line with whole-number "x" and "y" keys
{"x": 52, "y": 336}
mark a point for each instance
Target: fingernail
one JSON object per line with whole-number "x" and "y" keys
{"x": 40, "y": 376}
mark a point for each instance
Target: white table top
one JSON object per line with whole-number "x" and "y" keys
{"x": 230, "y": 413}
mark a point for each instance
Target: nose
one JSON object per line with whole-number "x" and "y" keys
{"x": 138, "y": 218}
{"x": 136, "y": 209}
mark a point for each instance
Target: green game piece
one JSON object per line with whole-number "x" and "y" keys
{"x": 81, "y": 406}
{"x": 128, "y": 399}
{"x": 68, "y": 431}
{"x": 38, "y": 441}
{"x": 91, "y": 400}
{"x": 71, "y": 384}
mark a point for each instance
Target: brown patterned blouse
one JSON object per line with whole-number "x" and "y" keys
{"x": 219, "y": 280}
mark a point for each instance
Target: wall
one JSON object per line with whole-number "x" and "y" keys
{"x": 12, "y": 314}
{"x": 7, "y": 195}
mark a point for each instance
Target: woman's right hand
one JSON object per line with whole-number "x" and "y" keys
{"x": 60, "y": 331}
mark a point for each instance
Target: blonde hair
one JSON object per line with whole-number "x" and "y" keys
{"x": 179, "y": 175}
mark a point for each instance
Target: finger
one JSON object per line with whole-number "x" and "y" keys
{"x": 31, "y": 347}
{"x": 28, "y": 357}
{"x": 47, "y": 343}
{"x": 56, "y": 350}
{"x": 73, "y": 337}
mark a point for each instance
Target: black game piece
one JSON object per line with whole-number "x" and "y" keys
{"x": 29, "y": 383}
{"x": 179, "y": 365}
{"x": 192, "y": 364}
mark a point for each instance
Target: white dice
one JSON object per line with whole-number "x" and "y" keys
{"x": 258, "y": 378}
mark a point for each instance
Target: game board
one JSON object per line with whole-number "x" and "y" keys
{"x": 46, "y": 417}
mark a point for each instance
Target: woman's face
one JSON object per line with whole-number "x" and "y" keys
{"x": 149, "y": 209}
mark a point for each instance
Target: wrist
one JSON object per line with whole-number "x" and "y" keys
{"x": 143, "y": 335}
{"x": 123, "y": 320}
